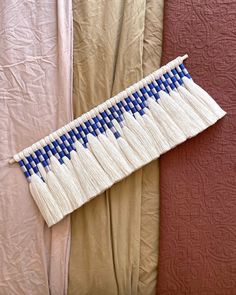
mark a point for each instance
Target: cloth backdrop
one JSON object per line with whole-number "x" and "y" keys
{"x": 115, "y": 236}
{"x": 35, "y": 98}
{"x": 198, "y": 205}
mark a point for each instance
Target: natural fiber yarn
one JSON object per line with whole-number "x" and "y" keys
{"x": 200, "y": 108}
{"x": 130, "y": 154}
{"x": 195, "y": 121}
{"x": 200, "y": 93}
{"x": 177, "y": 113}
{"x": 67, "y": 182}
{"x": 167, "y": 126}
{"x": 136, "y": 145}
{"x": 112, "y": 138}
{"x": 83, "y": 176}
{"x": 44, "y": 200}
{"x": 98, "y": 176}
{"x": 141, "y": 134}
{"x": 115, "y": 154}
{"x": 87, "y": 156}
{"x": 159, "y": 139}
{"x": 58, "y": 193}
{"x": 105, "y": 160}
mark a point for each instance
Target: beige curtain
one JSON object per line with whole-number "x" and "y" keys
{"x": 35, "y": 98}
{"x": 115, "y": 236}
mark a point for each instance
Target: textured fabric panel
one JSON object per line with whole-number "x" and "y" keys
{"x": 110, "y": 40}
{"x": 149, "y": 235}
{"x": 107, "y": 58}
{"x": 35, "y": 94}
{"x": 198, "y": 233}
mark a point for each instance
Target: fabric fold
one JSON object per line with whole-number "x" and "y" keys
{"x": 35, "y": 87}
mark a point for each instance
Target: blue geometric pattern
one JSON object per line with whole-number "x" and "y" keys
{"x": 135, "y": 102}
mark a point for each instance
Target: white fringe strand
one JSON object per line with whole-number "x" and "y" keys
{"x": 177, "y": 114}
{"x": 195, "y": 121}
{"x": 159, "y": 139}
{"x": 130, "y": 153}
{"x": 58, "y": 193}
{"x": 141, "y": 134}
{"x": 105, "y": 160}
{"x": 115, "y": 154}
{"x": 200, "y": 93}
{"x": 167, "y": 126}
{"x": 83, "y": 176}
{"x": 98, "y": 176}
{"x": 44, "y": 200}
{"x": 67, "y": 182}
{"x": 200, "y": 108}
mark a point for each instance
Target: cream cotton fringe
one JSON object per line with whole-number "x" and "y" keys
{"x": 87, "y": 156}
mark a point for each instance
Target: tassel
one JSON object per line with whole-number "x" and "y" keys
{"x": 204, "y": 112}
{"x": 83, "y": 176}
{"x": 112, "y": 138}
{"x": 160, "y": 141}
{"x": 167, "y": 126}
{"x": 66, "y": 180}
{"x": 136, "y": 145}
{"x": 195, "y": 121}
{"x": 70, "y": 167}
{"x": 107, "y": 163}
{"x": 149, "y": 114}
{"x": 44, "y": 200}
{"x": 123, "y": 146}
{"x": 96, "y": 173}
{"x": 42, "y": 170}
{"x": 179, "y": 116}
{"x": 141, "y": 134}
{"x": 58, "y": 193}
{"x": 129, "y": 153}
{"x": 140, "y": 120}
{"x": 200, "y": 93}
{"x": 117, "y": 126}
{"x": 115, "y": 154}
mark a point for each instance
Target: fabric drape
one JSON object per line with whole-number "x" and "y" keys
{"x": 35, "y": 98}
{"x": 198, "y": 233}
{"x": 115, "y": 236}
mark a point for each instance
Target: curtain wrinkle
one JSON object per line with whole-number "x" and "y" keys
{"x": 117, "y": 47}
{"x": 35, "y": 98}
{"x": 149, "y": 242}
{"x": 106, "y": 241}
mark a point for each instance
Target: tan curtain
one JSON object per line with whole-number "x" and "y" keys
{"x": 35, "y": 98}
{"x": 115, "y": 236}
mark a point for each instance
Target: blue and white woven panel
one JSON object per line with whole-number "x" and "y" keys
{"x": 80, "y": 160}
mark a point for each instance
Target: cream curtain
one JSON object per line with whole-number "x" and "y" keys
{"x": 114, "y": 244}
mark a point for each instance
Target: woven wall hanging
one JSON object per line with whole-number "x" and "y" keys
{"x": 77, "y": 162}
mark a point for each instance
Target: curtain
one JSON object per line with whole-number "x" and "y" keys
{"x": 198, "y": 233}
{"x": 114, "y": 243}
{"x": 35, "y": 98}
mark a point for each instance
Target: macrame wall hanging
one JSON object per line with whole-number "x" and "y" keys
{"x": 87, "y": 156}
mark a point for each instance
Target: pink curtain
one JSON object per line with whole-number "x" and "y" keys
{"x": 35, "y": 98}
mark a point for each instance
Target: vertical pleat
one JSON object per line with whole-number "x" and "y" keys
{"x": 149, "y": 235}
{"x": 108, "y": 52}
{"x": 115, "y": 236}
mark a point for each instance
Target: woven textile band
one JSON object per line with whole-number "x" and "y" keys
{"x": 87, "y": 156}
